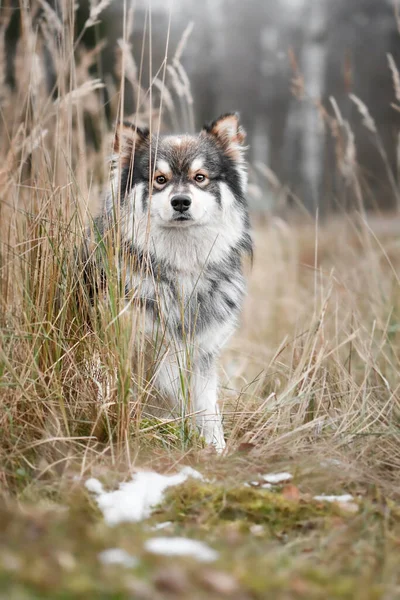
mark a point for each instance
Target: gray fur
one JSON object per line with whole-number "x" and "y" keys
{"x": 186, "y": 267}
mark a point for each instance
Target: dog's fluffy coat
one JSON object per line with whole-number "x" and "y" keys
{"x": 183, "y": 222}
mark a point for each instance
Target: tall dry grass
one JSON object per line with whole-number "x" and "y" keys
{"x": 317, "y": 359}
{"x": 66, "y": 388}
{"x": 315, "y": 366}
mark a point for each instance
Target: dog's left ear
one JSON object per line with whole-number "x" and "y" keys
{"x": 229, "y": 133}
{"x": 129, "y": 139}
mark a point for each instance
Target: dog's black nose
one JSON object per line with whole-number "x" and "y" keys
{"x": 181, "y": 203}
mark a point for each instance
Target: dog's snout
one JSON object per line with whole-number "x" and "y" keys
{"x": 181, "y": 203}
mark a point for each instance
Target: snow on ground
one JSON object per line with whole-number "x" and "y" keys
{"x": 163, "y": 525}
{"x": 179, "y": 546}
{"x": 94, "y": 485}
{"x": 341, "y": 498}
{"x": 270, "y": 479}
{"x": 134, "y": 500}
{"x": 276, "y": 477}
{"x": 117, "y": 556}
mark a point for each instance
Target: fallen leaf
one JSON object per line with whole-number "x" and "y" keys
{"x": 246, "y": 447}
{"x": 291, "y": 492}
{"x": 172, "y": 579}
{"x": 219, "y": 582}
{"x": 337, "y": 522}
{"x": 139, "y": 589}
{"x": 207, "y": 454}
{"x": 300, "y": 586}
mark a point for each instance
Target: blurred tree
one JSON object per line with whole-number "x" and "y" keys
{"x": 237, "y": 58}
{"x": 360, "y": 35}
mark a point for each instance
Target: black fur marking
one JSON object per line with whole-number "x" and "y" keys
{"x": 206, "y": 360}
{"x": 229, "y": 302}
{"x": 132, "y": 175}
{"x": 141, "y": 132}
{"x": 210, "y": 126}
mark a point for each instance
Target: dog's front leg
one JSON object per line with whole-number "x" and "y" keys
{"x": 204, "y": 395}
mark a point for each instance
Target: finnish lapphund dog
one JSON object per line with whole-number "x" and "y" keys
{"x": 179, "y": 203}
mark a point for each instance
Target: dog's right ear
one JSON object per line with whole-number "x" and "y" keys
{"x": 128, "y": 139}
{"x": 229, "y": 134}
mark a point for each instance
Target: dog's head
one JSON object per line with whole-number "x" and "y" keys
{"x": 183, "y": 181}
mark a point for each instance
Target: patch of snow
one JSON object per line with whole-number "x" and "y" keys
{"x": 331, "y": 461}
{"x": 257, "y": 529}
{"x": 116, "y": 556}
{"x": 134, "y": 500}
{"x": 266, "y": 486}
{"x": 163, "y": 525}
{"x": 189, "y": 472}
{"x": 342, "y": 498}
{"x": 179, "y": 546}
{"x": 277, "y": 477}
{"x": 94, "y": 485}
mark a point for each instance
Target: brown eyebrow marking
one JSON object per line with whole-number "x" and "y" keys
{"x": 201, "y": 171}
{"x": 157, "y": 173}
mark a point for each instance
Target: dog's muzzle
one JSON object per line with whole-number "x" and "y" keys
{"x": 181, "y": 203}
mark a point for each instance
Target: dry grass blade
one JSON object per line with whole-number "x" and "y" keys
{"x": 51, "y": 17}
{"x": 395, "y": 76}
{"x": 183, "y": 41}
{"x": 96, "y": 8}
{"x": 368, "y": 121}
{"x": 131, "y": 72}
{"x": 82, "y": 91}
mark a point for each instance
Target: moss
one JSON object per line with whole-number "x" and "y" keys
{"x": 269, "y": 545}
{"x": 209, "y": 504}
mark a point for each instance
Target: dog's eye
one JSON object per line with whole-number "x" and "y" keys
{"x": 199, "y": 177}
{"x": 160, "y": 179}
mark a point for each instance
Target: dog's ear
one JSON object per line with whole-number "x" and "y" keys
{"x": 229, "y": 133}
{"x": 128, "y": 139}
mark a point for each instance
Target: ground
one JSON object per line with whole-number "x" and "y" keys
{"x": 309, "y": 386}
{"x": 276, "y": 543}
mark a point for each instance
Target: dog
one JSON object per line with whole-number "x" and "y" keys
{"x": 179, "y": 202}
